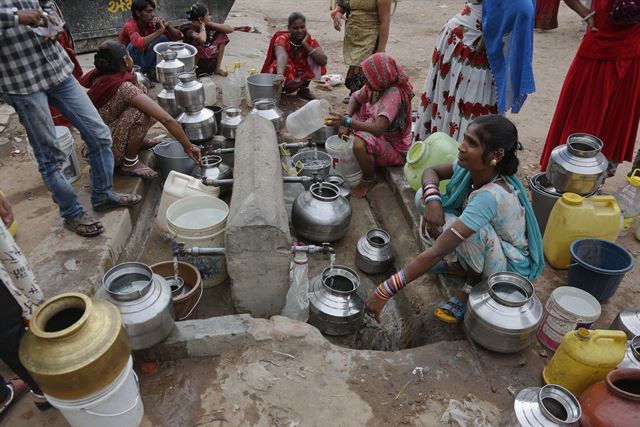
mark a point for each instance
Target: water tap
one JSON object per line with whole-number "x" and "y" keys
{"x": 325, "y": 248}
{"x": 179, "y": 249}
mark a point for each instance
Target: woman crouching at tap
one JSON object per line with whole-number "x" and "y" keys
{"x": 482, "y": 225}
{"x": 127, "y": 110}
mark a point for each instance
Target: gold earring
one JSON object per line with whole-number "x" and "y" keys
{"x": 494, "y": 162}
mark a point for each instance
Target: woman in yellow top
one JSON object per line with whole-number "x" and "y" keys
{"x": 366, "y": 32}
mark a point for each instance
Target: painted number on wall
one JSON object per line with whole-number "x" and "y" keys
{"x": 116, "y": 6}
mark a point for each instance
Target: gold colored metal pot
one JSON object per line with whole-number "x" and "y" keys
{"x": 75, "y": 346}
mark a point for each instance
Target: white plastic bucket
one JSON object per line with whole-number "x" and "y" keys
{"x": 567, "y": 309}
{"x": 178, "y": 186}
{"x": 199, "y": 221}
{"x": 343, "y": 161}
{"x": 118, "y": 404}
{"x": 64, "y": 140}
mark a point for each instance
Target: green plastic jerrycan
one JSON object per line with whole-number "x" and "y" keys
{"x": 437, "y": 149}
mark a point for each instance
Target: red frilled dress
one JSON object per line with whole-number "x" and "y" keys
{"x": 547, "y": 14}
{"x": 601, "y": 93}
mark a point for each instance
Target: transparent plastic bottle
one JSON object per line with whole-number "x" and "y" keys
{"x": 241, "y": 79}
{"x": 210, "y": 90}
{"x": 252, "y": 71}
{"x": 308, "y": 119}
{"x": 296, "y": 306}
{"x": 231, "y": 89}
{"x": 629, "y": 202}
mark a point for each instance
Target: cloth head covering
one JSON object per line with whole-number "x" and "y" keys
{"x": 458, "y": 189}
{"x": 104, "y": 87}
{"x": 507, "y": 29}
{"x": 382, "y": 72}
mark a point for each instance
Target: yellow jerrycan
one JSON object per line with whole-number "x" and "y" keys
{"x": 584, "y": 358}
{"x": 575, "y": 217}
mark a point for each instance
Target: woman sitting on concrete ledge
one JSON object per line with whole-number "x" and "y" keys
{"x": 484, "y": 224}
{"x": 127, "y": 110}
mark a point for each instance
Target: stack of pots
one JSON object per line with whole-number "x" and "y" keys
{"x": 185, "y": 53}
{"x": 199, "y": 123}
{"x": 167, "y": 71}
{"x": 79, "y": 353}
{"x": 577, "y": 167}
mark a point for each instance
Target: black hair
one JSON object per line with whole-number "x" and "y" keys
{"x": 109, "y": 57}
{"x": 140, "y": 5}
{"x": 294, "y": 17}
{"x": 197, "y": 11}
{"x": 497, "y": 133}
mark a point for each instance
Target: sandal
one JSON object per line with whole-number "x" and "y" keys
{"x": 363, "y": 188}
{"x": 82, "y": 223}
{"x": 120, "y": 201}
{"x": 221, "y": 72}
{"x": 305, "y": 93}
{"x": 17, "y": 388}
{"x": 451, "y": 311}
{"x": 136, "y": 168}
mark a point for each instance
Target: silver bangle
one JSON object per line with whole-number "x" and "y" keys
{"x": 589, "y": 15}
{"x": 16, "y": 18}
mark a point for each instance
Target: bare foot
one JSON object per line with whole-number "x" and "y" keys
{"x": 221, "y": 72}
{"x": 363, "y": 188}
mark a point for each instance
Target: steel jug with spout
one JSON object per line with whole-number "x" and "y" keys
{"x": 373, "y": 252}
{"x": 167, "y": 100}
{"x": 321, "y": 214}
{"x": 189, "y": 92}
{"x": 144, "y": 301}
{"x": 231, "y": 119}
{"x": 268, "y": 108}
{"x": 141, "y": 78}
{"x": 548, "y": 406}
{"x": 168, "y": 69}
{"x": 578, "y": 166}
{"x": 199, "y": 126}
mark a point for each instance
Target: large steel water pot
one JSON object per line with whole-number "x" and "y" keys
{"x": 189, "y": 92}
{"x": 335, "y": 307}
{"x": 185, "y": 53}
{"x": 141, "y": 78}
{"x": 548, "y": 406}
{"x": 199, "y": 126}
{"x": 373, "y": 252}
{"x": 312, "y": 163}
{"x": 578, "y": 166}
{"x": 171, "y": 156}
{"x": 321, "y": 214}
{"x": 213, "y": 167}
{"x": 167, "y": 100}
{"x": 268, "y": 108}
{"x": 75, "y": 346}
{"x": 503, "y": 313}
{"x": 168, "y": 69}
{"x": 231, "y": 119}
{"x": 144, "y": 301}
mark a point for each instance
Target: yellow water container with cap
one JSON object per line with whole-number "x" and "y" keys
{"x": 575, "y": 217}
{"x": 584, "y": 358}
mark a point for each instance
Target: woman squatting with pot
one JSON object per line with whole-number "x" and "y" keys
{"x": 482, "y": 225}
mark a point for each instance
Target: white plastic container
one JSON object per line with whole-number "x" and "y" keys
{"x": 210, "y": 90}
{"x": 231, "y": 91}
{"x": 199, "y": 221}
{"x": 296, "y": 305}
{"x": 629, "y": 201}
{"x": 252, "y": 71}
{"x": 308, "y": 119}
{"x": 118, "y": 404}
{"x": 567, "y": 309}
{"x": 64, "y": 141}
{"x": 178, "y": 186}
{"x": 344, "y": 162}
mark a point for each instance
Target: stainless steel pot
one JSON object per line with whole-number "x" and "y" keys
{"x": 627, "y": 321}
{"x": 321, "y": 214}
{"x": 320, "y": 136}
{"x": 167, "y": 100}
{"x": 144, "y": 301}
{"x": 503, "y": 313}
{"x": 338, "y": 181}
{"x": 185, "y": 53}
{"x": 373, "y": 252}
{"x": 260, "y": 86}
{"x": 578, "y": 166}
{"x": 141, "y": 78}
{"x": 335, "y": 307}
{"x": 312, "y": 163}
{"x": 168, "y": 69}
{"x": 171, "y": 156}
{"x": 189, "y": 92}
{"x": 199, "y": 126}
{"x": 549, "y": 406}
{"x": 268, "y": 108}
{"x": 231, "y": 119}
{"x": 632, "y": 356}
{"x": 213, "y": 167}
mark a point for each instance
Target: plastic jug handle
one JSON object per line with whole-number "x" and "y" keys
{"x": 611, "y": 335}
{"x": 633, "y": 174}
{"x": 605, "y": 200}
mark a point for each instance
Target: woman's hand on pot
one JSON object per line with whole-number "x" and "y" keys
{"x": 344, "y": 131}
{"x": 278, "y": 81}
{"x": 193, "y": 151}
{"x": 374, "y": 305}
{"x": 334, "y": 119}
{"x": 433, "y": 219}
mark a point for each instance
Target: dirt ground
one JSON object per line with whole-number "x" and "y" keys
{"x": 414, "y": 29}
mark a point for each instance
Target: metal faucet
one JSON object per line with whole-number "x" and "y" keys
{"x": 179, "y": 250}
{"x": 312, "y": 249}
{"x": 285, "y": 179}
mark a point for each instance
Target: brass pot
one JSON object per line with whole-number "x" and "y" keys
{"x": 75, "y": 346}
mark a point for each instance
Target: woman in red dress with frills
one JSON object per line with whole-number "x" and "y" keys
{"x": 601, "y": 93}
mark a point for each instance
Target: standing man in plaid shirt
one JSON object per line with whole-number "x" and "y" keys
{"x": 35, "y": 71}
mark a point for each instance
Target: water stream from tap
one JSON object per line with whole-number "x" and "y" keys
{"x": 175, "y": 267}
{"x": 332, "y": 261}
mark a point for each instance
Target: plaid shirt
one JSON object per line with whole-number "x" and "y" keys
{"x": 28, "y": 63}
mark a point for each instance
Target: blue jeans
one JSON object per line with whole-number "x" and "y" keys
{"x": 72, "y": 101}
{"x": 146, "y": 58}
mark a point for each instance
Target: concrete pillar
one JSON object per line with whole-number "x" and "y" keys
{"x": 257, "y": 238}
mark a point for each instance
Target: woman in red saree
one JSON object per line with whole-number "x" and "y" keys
{"x": 601, "y": 93}
{"x": 546, "y": 15}
{"x": 295, "y": 57}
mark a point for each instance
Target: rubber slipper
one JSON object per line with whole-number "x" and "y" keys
{"x": 83, "y": 220}
{"x": 121, "y": 201}
{"x": 17, "y": 388}
{"x": 138, "y": 171}
{"x": 451, "y": 311}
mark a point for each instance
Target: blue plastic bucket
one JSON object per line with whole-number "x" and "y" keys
{"x": 598, "y": 266}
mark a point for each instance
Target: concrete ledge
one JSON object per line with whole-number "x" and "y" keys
{"x": 405, "y": 197}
